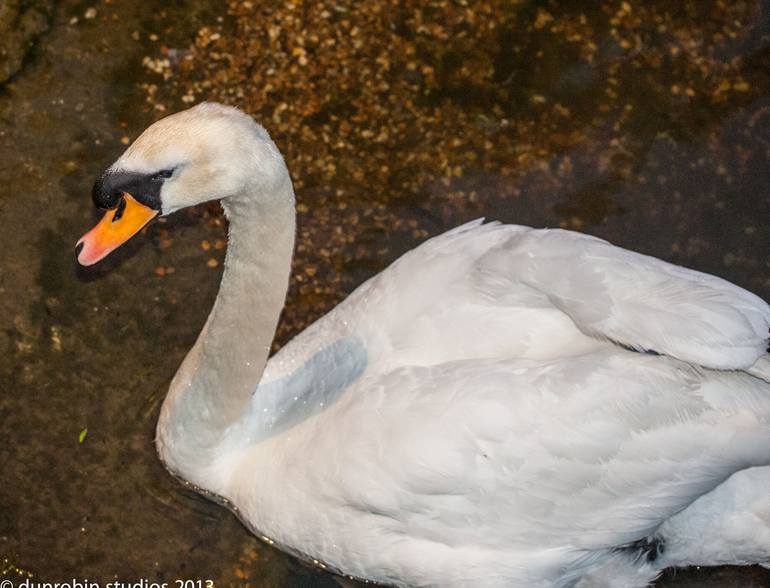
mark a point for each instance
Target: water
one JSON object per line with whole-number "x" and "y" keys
{"x": 635, "y": 144}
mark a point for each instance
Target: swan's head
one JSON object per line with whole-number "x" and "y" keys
{"x": 208, "y": 152}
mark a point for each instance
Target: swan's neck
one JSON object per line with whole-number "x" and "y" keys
{"x": 213, "y": 386}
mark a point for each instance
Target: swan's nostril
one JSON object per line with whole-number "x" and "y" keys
{"x": 120, "y": 209}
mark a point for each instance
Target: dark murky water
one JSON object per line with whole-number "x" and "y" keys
{"x": 668, "y": 166}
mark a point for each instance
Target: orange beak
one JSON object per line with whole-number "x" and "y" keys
{"x": 116, "y": 227}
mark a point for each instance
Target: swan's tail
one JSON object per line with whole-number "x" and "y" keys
{"x": 621, "y": 570}
{"x": 730, "y": 525}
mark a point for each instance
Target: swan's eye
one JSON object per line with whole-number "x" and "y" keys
{"x": 163, "y": 174}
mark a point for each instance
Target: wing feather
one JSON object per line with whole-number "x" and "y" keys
{"x": 591, "y": 453}
{"x": 639, "y": 301}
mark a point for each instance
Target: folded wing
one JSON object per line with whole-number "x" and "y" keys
{"x": 639, "y": 301}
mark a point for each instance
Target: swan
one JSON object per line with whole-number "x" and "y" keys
{"x": 503, "y": 406}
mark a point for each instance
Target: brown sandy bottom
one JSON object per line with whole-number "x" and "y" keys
{"x": 646, "y": 125}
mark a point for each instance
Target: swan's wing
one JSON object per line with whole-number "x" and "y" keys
{"x": 492, "y": 290}
{"x": 637, "y": 300}
{"x": 436, "y": 304}
{"x": 591, "y": 452}
{"x": 521, "y": 292}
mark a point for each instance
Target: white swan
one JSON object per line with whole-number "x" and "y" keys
{"x": 476, "y": 414}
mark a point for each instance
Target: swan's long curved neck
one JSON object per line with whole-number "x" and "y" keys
{"x": 212, "y": 388}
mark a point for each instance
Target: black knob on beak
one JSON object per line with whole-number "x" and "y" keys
{"x": 144, "y": 188}
{"x": 106, "y": 193}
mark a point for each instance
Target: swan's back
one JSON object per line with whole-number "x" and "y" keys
{"x": 493, "y": 291}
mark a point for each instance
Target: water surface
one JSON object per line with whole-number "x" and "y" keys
{"x": 644, "y": 125}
